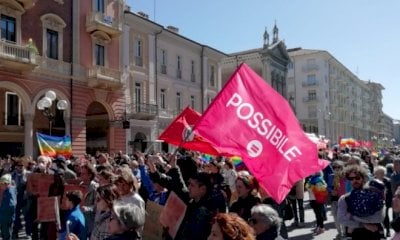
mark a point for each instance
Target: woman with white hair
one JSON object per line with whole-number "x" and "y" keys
{"x": 380, "y": 173}
{"x": 265, "y": 222}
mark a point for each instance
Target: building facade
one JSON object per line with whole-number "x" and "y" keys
{"x": 330, "y": 100}
{"x": 69, "y": 47}
{"x": 270, "y": 62}
{"x": 166, "y": 73}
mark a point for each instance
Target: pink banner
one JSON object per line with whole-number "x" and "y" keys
{"x": 250, "y": 119}
{"x": 173, "y": 214}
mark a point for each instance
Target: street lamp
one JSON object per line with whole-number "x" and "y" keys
{"x": 45, "y": 105}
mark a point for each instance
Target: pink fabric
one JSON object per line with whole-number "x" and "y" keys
{"x": 250, "y": 119}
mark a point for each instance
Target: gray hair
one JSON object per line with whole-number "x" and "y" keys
{"x": 267, "y": 213}
{"x": 379, "y": 168}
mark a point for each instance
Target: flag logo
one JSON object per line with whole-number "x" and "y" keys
{"x": 187, "y": 133}
{"x": 254, "y": 148}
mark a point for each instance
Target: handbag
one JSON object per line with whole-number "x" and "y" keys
{"x": 288, "y": 212}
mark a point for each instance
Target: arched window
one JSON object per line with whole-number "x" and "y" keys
{"x": 53, "y": 28}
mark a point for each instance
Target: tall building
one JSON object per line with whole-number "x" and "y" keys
{"x": 396, "y": 131}
{"x": 330, "y": 100}
{"x": 73, "y": 49}
{"x": 270, "y": 62}
{"x": 165, "y": 73}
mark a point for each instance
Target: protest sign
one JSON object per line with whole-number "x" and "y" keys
{"x": 173, "y": 214}
{"x": 48, "y": 210}
{"x": 152, "y": 228}
{"x": 39, "y": 183}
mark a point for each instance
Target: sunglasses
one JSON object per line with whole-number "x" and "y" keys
{"x": 252, "y": 221}
{"x": 354, "y": 178}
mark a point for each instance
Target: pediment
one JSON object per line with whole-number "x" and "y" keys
{"x": 13, "y": 5}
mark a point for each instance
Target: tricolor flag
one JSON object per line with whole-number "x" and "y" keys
{"x": 180, "y": 133}
{"x": 250, "y": 119}
{"x": 53, "y": 146}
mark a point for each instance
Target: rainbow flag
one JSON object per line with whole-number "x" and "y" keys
{"x": 237, "y": 161}
{"x": 53, "y": 146}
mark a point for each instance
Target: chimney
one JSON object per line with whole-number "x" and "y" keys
{"x": 143, "y": 15}
{"x": 173, "y": 29}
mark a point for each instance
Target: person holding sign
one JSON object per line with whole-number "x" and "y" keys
{"x": 7, "y": 206}
{"x": 75, "y": 221}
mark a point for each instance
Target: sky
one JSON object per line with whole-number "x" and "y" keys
{"x": 364, "y": 35}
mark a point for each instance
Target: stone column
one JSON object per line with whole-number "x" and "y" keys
{"x": 67, "y": 122}
{"x": 28, "y": 140}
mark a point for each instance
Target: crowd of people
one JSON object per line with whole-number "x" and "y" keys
{"x": 222, "y": 202}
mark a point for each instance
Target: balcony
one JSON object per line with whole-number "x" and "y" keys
{"x": 310, "y": 83}
{"x": 310, "y": 99}
{"x": 15, "y": 57}
{"x": 310, "y": 67}
{"x": 53, "y": 66}
{"x": 143, "y": 111}
{"x": 167, "y": 113}
{"x": 104, "y": 78}
{"x": 98, "y": 21}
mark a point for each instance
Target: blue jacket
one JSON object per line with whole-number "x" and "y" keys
{"x": 160, "y": 198}
{"x": 8, "y": 205}
{"x": 77, "y": 226}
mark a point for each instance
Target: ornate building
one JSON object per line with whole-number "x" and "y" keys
{"x": 69, "y": 47}
{"x": 270, "y": 62}
{"x": 165, "y": 73}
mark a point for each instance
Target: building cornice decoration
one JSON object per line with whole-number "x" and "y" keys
{"x": 11, "y": 7}
{"x": 52, "y": 21}
{"x": 100, "y": 37}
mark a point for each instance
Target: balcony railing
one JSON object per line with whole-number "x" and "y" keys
{"x": 16, "y": 56}
{"x": 102, "y": 77}
{"x": 143, "y": 111}
{"x": 310, "y": 99}
{"x": 310, "y": 67}
{"x": 310, "y": 83}
{"x": 101, "y": 21}
{"x": 53, "y": 66}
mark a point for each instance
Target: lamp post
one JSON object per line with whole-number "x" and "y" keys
{"x": 45, "y": 105}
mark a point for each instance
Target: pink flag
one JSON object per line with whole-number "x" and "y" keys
{"x": 250, "y": 119}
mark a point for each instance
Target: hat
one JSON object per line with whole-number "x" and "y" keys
{"x": 378, "y": 184}
{"x": 6, "y": 178}
{"x": 130, "y": 215}
{"x": 60, "y": 158}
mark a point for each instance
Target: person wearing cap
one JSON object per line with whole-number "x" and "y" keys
{"x": 7, "y": 206}
{"x": 125, "y": 222}
{"x": 60, "y": 162}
